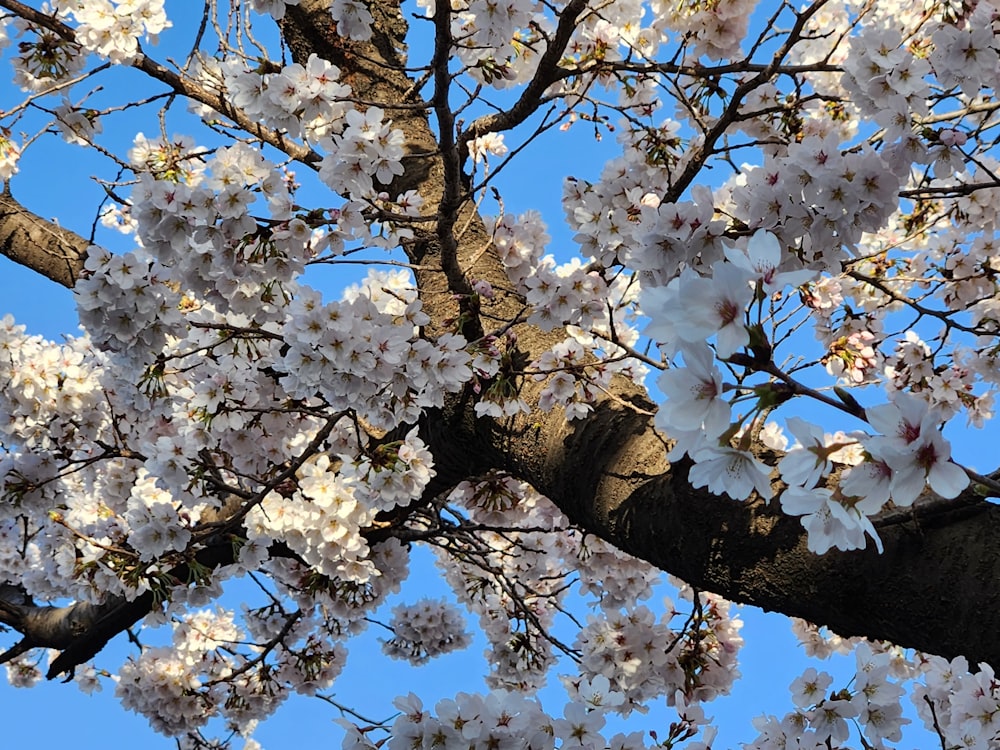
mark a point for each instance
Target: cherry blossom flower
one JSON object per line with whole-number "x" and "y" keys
{"x": 828, "y": 523}
{"x": 870, "y": 482}
{"x": 761, "y": 261}
{"x": 716, "y": 307}
{"x": 810, "y": 688}
{"x": 489, "y": 144}
{"x": 829, "y": 719}
{"x": 914, "y": 449}
{"x": 580, "y": 728}
{"x": 597, "y": 693}
{"x": 808, "y": 460}
{"x": 693, "y": 394}
{"x": 730, "y": 471}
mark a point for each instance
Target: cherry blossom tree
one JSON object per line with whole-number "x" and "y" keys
{"x": 790, "y": 245}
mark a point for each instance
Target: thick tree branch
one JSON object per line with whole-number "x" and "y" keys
{"x": 731, "y": 113}
{"x": 547, "y": 73}
{"x": 935, "y": 588}
{"x": 82, "y": 629}
{"x": 41, "y": 245}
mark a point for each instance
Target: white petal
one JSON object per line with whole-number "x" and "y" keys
{"x": 947, "y": 479}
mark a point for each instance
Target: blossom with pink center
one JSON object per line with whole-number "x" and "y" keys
{"x": 693, "y": 394}
{"x": 915, "y": 450}
{"x": 761, "y": 261}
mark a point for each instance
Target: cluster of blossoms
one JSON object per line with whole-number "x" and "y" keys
{"x": 514, "y": 582}
{"x": 498, "y": 42}
{"x": 393, "y": 475}
{"x": 207, "y": 264}
{"x": 955, "y": 704}
{"x": 836, "y": 197}
{"x": 517, "y": 583}
{"x": 153, "y": 522}
{"x": 109, "y": 29}
{"x": 129, "y": 297}
{"x": 506, "y": 719}
{"x": 57, "y": 525}
{"x": 572, "y": 385}
{"x": 594, "y": 310}
{"x": 310, "y": 101}
{"x": 637, "y": 657}
{"x": 113, "y": 29}
{"x": 342, "y": 605}
{"x": 360, "y": 357}
{"x": 200, "y": 676}
{"x": 961, "y": 706}
{"x": 878, "y": 71}
{"x": 606, "y": 38}
{"x": 910, "y": 454}
{"x": 199, "y": 242}
{"x": 558, "y": 296}
{"x": 714, "y": 30}
{"x": 823, "y": 717}
{"x": 424, "y": 630}
{"x": 829, "y": 519}
{"x": 205, "y": 673}
{"x": 614, "y": 578}
{"x": 322, "y": 520}
{"x": 366, "y": 150}
{"x": 617, "y": 219}
{"x": 163, "y": 683}
{"x": 322, "y": 524}
{"x": 644, "y": 658}
{"x": 302, "y": 100}
{"x": 964, "y": 55}
{"x": 50, "y": 391}
{"x": 45, "y": 58}
{"x": 684, "y": 313}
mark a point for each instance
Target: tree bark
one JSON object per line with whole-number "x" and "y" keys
{"x": 934, "y": 588}
{"x": 43, "y": 246}
{"x": 937, "y": 585}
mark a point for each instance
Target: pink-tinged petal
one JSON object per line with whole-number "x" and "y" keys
{"x": 867, "y": 527}
{"x": 731, "y": 339}
{"x": 798, "y": 501}
{"x": 907, "y": 485}
{"x": 790, "y": 278}
{"x": 947, "y": 479}
{"x": 884, "y": 418}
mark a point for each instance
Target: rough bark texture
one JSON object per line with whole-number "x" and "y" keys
{"x": 936, "y": 587}
{"x": 41, "y": 245}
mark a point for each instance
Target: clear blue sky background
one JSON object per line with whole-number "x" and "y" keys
{"x": 54, "y": 181}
